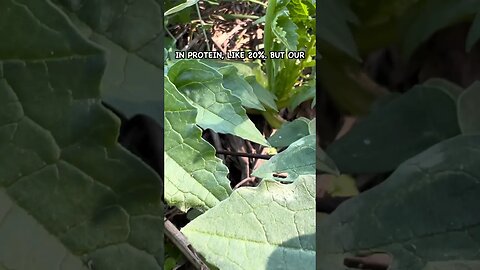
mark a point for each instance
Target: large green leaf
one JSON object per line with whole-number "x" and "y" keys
{"x": 298, "y": 159}
{"x": 425, "y": 213}
{"x": 217, "y": 108}
{"x": 131, "y": 32}
{"x": 236, "y": 84}
{"x": 285, "y": 30}
{"x": 468, "y": 108}
{"x": 332, "y": 20}
{"x": 396, "y": 131}
{"x": 70, "y": 196}
{"x": 271, "y": 226}
{"x": 290, "y": 132}
{"x": 428, "y": 16}
{"x": 266, "y": 97}
{"x": 194, "y": 177}
{"x": 303, "y": 93}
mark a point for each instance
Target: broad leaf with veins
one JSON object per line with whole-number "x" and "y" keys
{"x": 298, "y": 159}
{"x": 194, "y": 177}
{"x": 218, "y": 109}
{"x": 131, "y": 32}
{"x": 271, "y": 226}
{"x": 70, "y": 196}
{"x": 425, "y": 214}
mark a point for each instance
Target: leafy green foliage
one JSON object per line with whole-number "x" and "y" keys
{"x": 278, "y": 221}
{"x": 424, "y": 214}
{"x": 252, "y": 228}
{"x": 292, "y": 24}
{"x": 333, "y": 19}
{"x": 194, "y": 176}
{"x": 290, "y": 132}
{"x": 407, "y": 218}
{"x": 218, "y": 109}
{"x": 388, "y": 136}
{"x": 70, "y": 196}
{"x": 134, "y": 45}
{"x": 402, "y": 24}
{"x": 298, "y": 159}
{"x": 180, "y": 7}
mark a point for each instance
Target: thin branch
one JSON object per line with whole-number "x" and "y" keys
{"x": 203, "y": 26}
{"x": 259, "y": 156}
{"x": 181, "y": 242}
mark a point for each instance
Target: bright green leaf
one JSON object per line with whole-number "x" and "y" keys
{"x": 290, "y": 132}
{"x": 468, "y": 109}
{"x": 237, "y": 85}
{"x": 180, "y": 7}
{"x": 217, "y": 108}
{"x": 70, "y": 196}
{"x": 271, "y": 226}
{"x": 265, "y": 96}
{"x": 298, "y": 159}
{"x": 194, "y": 177}
{"x": 425, "y": 214}
{"x": 285, "y": 31}
{"x": 342, "y": 186}
{"x": 303, "y": 93}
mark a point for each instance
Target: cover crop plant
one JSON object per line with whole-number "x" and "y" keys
{"x": 271, "y": 226}
{"x": 410, "y": 175}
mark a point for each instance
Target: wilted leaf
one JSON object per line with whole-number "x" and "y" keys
{"x": 426, "y": 212}
{"x": 70, "y": 196}
{"x": 271, "y": 226}
{"x": 194, "y": 177}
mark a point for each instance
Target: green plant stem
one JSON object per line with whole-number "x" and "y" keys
{"x": 203, "y": 26}
{"x": 240, "y": 16}
{"x": 273, "y": 119}
{"x": 268, "y": 42}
